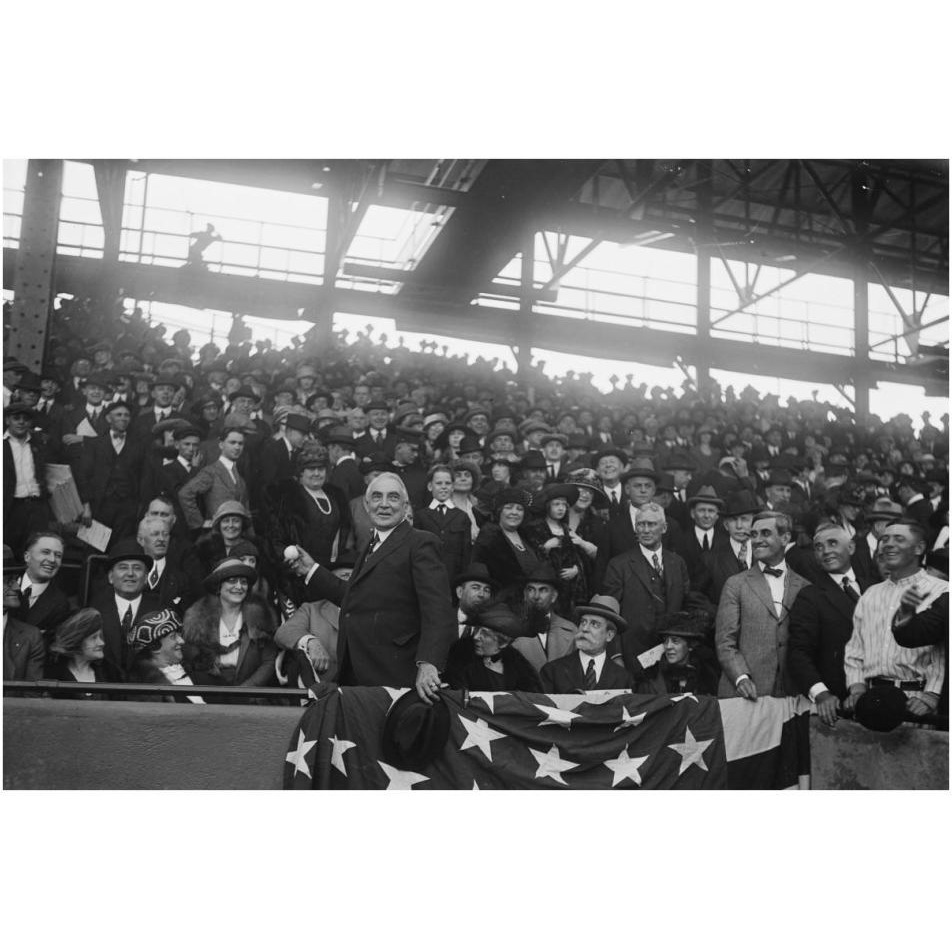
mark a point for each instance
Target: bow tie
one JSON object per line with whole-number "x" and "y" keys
{"x": 776, "y": 573}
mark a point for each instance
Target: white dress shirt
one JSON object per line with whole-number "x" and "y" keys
{"x": 775, "y": 584}
{"x": 23, "y": 466}
{"x": 599, "y": 660}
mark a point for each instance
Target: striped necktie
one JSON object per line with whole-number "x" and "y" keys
{"x": 590, "y": 679}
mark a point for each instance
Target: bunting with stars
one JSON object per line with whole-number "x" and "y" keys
{"x": 599, "y": 740}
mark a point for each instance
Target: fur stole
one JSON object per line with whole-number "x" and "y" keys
{"x": 202, "y": 619}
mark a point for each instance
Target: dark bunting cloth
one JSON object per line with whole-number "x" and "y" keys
{"x": 596, "y": 740}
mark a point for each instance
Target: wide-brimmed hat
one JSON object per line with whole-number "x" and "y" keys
{"x": 229, "y": 568}
{"x": 414, "y": 732}
{"x": 128, "y": 550}
{"x": 244, "y": 391}
{"x": 678, "y": 461}
{"x": 339, "y": 435}
{"x": 243, "y": 547}
{"x": 664, "y": 483}
{"x": 476, "y": 572}
{"x": 881, "y": 708}
{"x": 606, "y": 607}
{"x": 509, "y": 431}
{"x": 883, "y": 509}
{"x": 230, "y": 507}
{"x": 565, "y": 491}
{"x": 70, "y": 634}
{"x": 706, "y": 494}
{"x": 742, "y": 503}
{"x": 588, "y": 479}
{"x": 500, "y": 618}
{"x": 639, "y": 471}
{"x": 685, "y": 625}
{"x": 152, "y": 628}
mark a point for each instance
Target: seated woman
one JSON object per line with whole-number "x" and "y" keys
{"x": 502, "y": 546}
{"x": 228, "y": 633}
{"x": 230, "y": 524}
{"x": 78, "y": 654}
{"x": 157, "y": 642}
{"x": 487, "y": 662}
{"x": 689, "y": 665}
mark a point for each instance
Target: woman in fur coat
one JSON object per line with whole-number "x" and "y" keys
{"x": 228, "y": 633}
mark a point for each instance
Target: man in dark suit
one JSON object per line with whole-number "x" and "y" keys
{"x": 821, "y": 623}
{"x": 109, "y": 474}
{"x": 170, "y": 475}
{"x": 753, "y": 617}
{"x": 274, "y": 457}
{"x": 397, "y": 620}
{"x": 345, "y": 473}
{"x": 379, "y": 437}
{"x": 42, "y": 603}
{"x": 589, "y": 668}
{"x": 26, "y": 452}
{"x": 125, "y": 601}
{"x": 704, "y": 538}
{"x": 649, "y": 582}
{"x": 449, "y": 524}
{"x": 552, "y": 636}
{"x": 23, "y": 649}
{"x": 86, "y": 419}
{"x": 165, "y": 580}
{"x": 735, "y": 556}
{"x": 162, "y": 392}
{"x": 406, "y": 454}
{"x": 640, "y": 485}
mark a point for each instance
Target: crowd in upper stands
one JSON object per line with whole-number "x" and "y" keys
{"x": 658, "y": 540}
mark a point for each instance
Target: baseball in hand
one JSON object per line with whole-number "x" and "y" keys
{"x": 291, "y": 553}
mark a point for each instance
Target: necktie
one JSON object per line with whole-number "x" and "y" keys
{"x": 742, "y": 555}
{"x": 467, "y": 631}
{"x": 776, "y": 573}
{"x": 153, "y": 578}
{"x": 378, "y": 439}
{"x": 25, "y": 596}
{"x": 374, "y": 542}
{"x": 656, "y": 562}
{"x": 127, "y": 621}
{"x": 590, "y": 679}
{"x": 442, "y": 508}
{"x": 95, "y": 416}
{"x": 551, "y": 469}
{"x": 854, "y": 598}
{"x": 705, "y": 545}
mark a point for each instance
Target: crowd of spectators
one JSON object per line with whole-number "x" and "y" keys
{"x": 713, "y": 541}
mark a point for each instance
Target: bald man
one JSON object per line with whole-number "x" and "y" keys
{"x": 821, "y": 622}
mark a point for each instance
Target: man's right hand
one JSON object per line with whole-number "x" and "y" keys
{"x": 826, "y": 707}
{"x": 301, "y": 564}
{"x": 318, "y": 656}
{"x": 850, "y": 703}
{"x": 747, "y": 689}
{"x": 70, "y": 439}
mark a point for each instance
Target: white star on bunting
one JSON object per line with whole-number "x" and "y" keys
{"x": 401, "y": 779}
{"x": 395, "y": 695}
{"x": 568, "y": 702}
{"x": 551, "y": 764}
{"x": 296, "y": 757}
{"x": 624, "y": 767}
{"x": 340, "y": 748}
{"x": 691, "y": 751}
{"x": 560, "y": 718}
{"x": 479, "y": 734}
{"x": 488, "y": 698}
{"x": 683, "y": 697}
{"x": 629, "y": 720}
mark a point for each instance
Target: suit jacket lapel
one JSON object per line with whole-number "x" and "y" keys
{"x": 368, "y": 562}
{"x": 759, "y": 584}
{"x": 791, "y": 585}
{"x": 837, "y": 597}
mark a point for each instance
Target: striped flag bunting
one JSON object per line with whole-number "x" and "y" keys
{"x": 595, "y": 740}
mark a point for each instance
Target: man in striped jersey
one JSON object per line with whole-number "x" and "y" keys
{"x": 872, "y": 656}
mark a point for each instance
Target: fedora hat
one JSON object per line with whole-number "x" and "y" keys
{"x": 742, "y": 503}
{"x": 598, "y": 455}
{"x": 883, "y": 509}
{"x": 339, "y": 435}
{"x": 533, "y": 460}
{"x": 469, "y": 444}
{"x": 229, "y": 568}
{"x": 706, "y": 494}
{"x": 639, "y": 471}
{"x": 606, "y": 607}
{"x": 542, "y": 572}
{"x": 477, "y": 572}
{"x": 414, "y": 732}
{"x": 679, "y": 461}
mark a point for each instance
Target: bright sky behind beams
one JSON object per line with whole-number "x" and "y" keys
{"x": 281, "y": 235}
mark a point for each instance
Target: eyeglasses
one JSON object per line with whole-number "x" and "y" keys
{"x": 238, "y": 581}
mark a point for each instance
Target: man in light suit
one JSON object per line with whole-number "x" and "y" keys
{"x": 216, "y": 483}
{"x": 397, "y": 620}
{"x": 753, "y": 617}
{"x": 649, "y": 582}
{"x": 552, "y": 635}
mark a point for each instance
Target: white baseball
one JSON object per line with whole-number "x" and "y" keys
{"x": 291, "y": 553}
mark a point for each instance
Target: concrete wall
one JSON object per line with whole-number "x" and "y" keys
{"x": 97, "y": 745}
